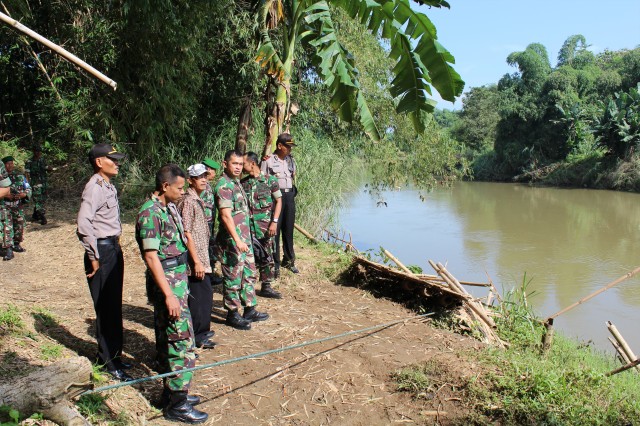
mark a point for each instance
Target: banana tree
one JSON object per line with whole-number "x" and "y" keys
{"x": 421, "y": 62}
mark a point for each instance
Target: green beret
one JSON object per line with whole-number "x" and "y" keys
{"x": 8, "y": 158}
{"x": 211, "y": 164}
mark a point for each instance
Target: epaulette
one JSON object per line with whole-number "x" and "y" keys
{"x": 100, "y": 181}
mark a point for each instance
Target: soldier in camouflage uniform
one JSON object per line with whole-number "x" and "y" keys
{"x": 234, "y": 245}
{"x": 160, "y": 236}
{"x": 265, "y": 202}
{"x": 20, "y": 193}
{"x": 6, "y": 237}
{"x": 36, "y": 170}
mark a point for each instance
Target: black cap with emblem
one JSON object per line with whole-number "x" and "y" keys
{"x": 104, "y": 150}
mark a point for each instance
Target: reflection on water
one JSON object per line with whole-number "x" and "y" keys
{"x": 569, "y": 242}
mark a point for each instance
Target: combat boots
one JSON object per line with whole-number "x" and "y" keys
{"x": 268, "y": 291}
{"x": 236, "y": 321}
{"x": 43, "y": 219}
{"x": 36, "y": 215}
{"x": 18, "y": 248}
{"x": 165, "y": 398}
{"x": 8, "y": 254}
{"x": 251, "y": 314}
{"x": 179, "y": 409}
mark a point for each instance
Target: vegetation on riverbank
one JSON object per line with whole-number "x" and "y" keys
{"x": 521, "y": 386}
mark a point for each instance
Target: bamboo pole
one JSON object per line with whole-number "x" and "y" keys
{"x": 547, "y": 337}
{"x": 467, "y": 283}
{"x": 623, "y": 368}
{"x": 623, "y": 356}
{"x": 58, "y": 49}
{"x": 623, "y": 343}
{"x": 397, "y": 261}
{"x": 595, "y": 293}
{"x": 305, "y": 233}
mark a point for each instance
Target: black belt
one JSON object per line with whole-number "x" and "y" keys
{"x": 108, "y": 241}
{"x": 174, "y": 262}
{"x": 287, "y": 190}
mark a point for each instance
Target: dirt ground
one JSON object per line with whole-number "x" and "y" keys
{"x": 346, "y": 381}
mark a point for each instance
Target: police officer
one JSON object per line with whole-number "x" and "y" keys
{"x": 234, "y": 242}
{"x": 99, "y": 230}
{"x": 20, "y": 193}
{"x": 282, "y": 165}
{"x": 265, "y": 202}
{"x": 5, "y": 230}
{"x": 163, "y": 245}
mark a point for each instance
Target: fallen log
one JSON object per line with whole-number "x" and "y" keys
{"x": 49, "y": 391}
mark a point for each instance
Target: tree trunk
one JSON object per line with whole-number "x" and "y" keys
{"x": 49, "y": 391}
{"x": 244, "y": 124}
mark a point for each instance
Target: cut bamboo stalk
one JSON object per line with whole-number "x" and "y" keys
{"x": 58, "y": 49}
{"x": 467, "y": 283}
{"x": 623, "y": 368}
{"x": 397, "y": 261}
{"x": 547, "y": 337}
{"x": 623, "y": 343}
{"x": 477, "y": 307}
{"x": 495, "y": 291}
{"x": 595, "y": 293}
{"x": 489, "y": 298}
{"x": 623, "y": 356}
{"x": 305, "y": 233}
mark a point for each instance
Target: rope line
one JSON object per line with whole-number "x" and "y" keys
{"x": 256, "y": 355}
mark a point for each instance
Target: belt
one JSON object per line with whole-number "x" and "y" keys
{"x": 174, "y": 262}
{"x": 287, "y": 190}
{"x": 108, "y": 241}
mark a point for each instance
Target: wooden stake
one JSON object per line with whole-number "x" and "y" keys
{"x": 547, "y": 338}
{"x": 620, "y": 351}
{"x": 623, "y": 343}
{"x": 595, "y": 293}
{"x": 305, "y": 233}
{"x": 59, "y": 50}
{"x": 396, "y": 261}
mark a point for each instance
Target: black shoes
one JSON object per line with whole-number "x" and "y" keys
{"x": 291, "y": 266}
{"x": 8, "y": 254}
{"x": 43, "y": 220}
{"x": 166, "y": 397}
{"x": 124, "y": 365}
{"x": 120, "y": 375}
{"x": 206, "y": 344}
{"x": 36, "y": 215}
{"x": 251, "y": 314}
{"x": 268, "y": 292}
{"x": 18, "y": 248}
{"x": 209, "y": 334}
{"x": 236, "y": 321}
{"x": 179, "y": 409}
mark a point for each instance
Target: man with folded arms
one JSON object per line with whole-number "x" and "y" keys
{"x": 196, "y": 229}
{"x": 99, "y": 230}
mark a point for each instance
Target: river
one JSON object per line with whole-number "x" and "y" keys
{"x": 569, "y": 242}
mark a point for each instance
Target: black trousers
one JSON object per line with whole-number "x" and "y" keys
{"x": 106, "y": 291}
{"x": 200, "y": 304}
{"x": 285, "y": 228}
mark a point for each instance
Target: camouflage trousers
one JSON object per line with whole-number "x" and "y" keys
{"x": 18, "y": 222}
{"x": 39, "y": 197}
{"x": 175, "y": 342}
{"x": 239, "y": 277}
{"x": 266, "y": 264}
{"x": 6, "y": 238}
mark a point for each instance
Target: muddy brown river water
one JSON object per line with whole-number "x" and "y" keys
{"x": 569, "y": 242}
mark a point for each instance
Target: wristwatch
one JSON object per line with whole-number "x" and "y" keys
{"x": 274, "y": 220}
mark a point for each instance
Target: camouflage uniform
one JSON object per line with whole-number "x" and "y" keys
{"x": 36, "y": 170}
{"x": 210, "y": 212}
{"x": 160, "y": 228}
{"x": 262, "y": 192}
{"x": 5, "y": 216}
{"x": 19, "y": 184}
{"x": 238, "y": 269}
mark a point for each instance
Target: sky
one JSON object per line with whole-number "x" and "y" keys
{"x": 481, "y": 34}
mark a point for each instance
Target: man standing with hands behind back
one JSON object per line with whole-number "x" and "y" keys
{"x": 99, "y": 230}
{"x": 282, "y": 166}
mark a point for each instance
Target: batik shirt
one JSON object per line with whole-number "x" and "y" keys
{"x": 262, "y": 191}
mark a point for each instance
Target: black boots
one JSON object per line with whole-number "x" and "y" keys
{"x": 250, "y": 314}
{"x": 8, "y": 254}
{"x": 236, "y": 321}
{"x": 268, "y": 292}
{"x": 179, "y": 409}
{"x": 36, "y": 215}
{"x": 18, "y": 248}
{"x": 165, "y": 398}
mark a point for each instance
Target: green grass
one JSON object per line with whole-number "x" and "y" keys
{"x": 50, "y": 351}
{"x": 10, "y": 320}
{"x": 567, "y": 386}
